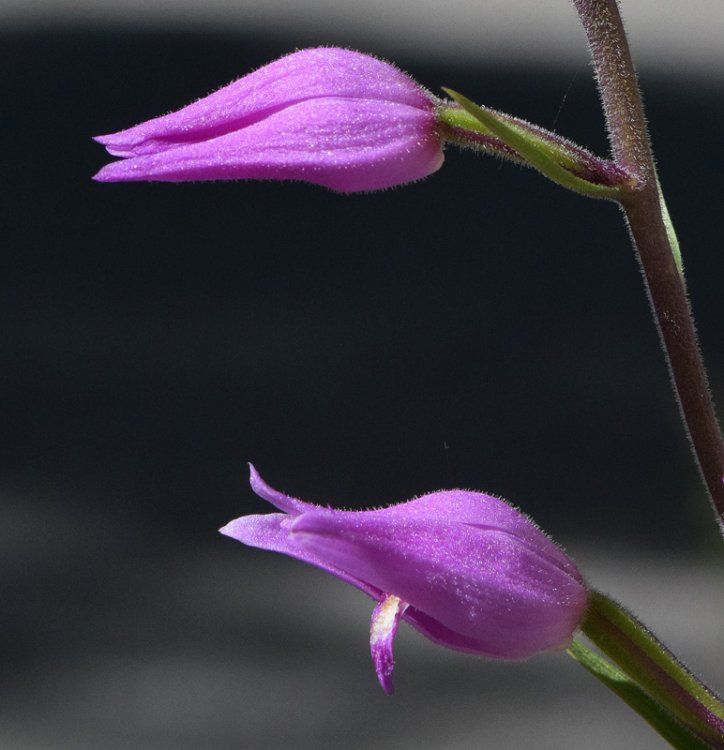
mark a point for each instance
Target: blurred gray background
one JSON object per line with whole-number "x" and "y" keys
{"x": 481, "y": 329}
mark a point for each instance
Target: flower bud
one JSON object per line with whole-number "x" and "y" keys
{"x": 333, "y": 117}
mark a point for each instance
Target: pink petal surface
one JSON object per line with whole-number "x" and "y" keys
{"x": 307, "y": 74}
{"x": 288, "y": 504}
{"x": 486, "y": 512}
{"x": 271, "y": 532}
{"x": 348, "y": 145}
{"x": 479, "y": 583}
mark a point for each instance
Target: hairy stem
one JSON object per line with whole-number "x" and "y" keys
{"x": 640, "y": 654}
{"x": 655, "y": 246}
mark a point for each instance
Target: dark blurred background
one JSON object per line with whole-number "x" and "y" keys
{"x": 482, "y": 329}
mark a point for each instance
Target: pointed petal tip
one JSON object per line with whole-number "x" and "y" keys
{"x": 118, "y": 171}
{"x": 114, "y": 146}
{"x": 226, "y": 530}
{"x": 245, "y": 528}
{"x": 102, "y": 175}
{"x": 265, "y": 531}
{"x": 253, "y": 473}
{"x": 257, "y": 483}
{"x": 384, "y": 665}
{"x": 288, "y": 504}
{"x": 114, "y": 143}
{"x": 240, "y": 528}
{"x": 386, "y": 683}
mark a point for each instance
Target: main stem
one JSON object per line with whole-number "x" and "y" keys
{"x": 664, "y": 280}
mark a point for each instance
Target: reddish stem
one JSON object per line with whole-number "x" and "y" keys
{"x": 665, "y": 283}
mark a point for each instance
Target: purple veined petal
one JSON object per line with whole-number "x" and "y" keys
{"x": 481, "y": 584}
{"x": 485, "y": 512}
{"x": 452, "y": 506}
{"x": 383, "y": 628}
{"x": 271, "y": 532}
{"x": 347, "y": 145}
{"x": 307, "y": 74}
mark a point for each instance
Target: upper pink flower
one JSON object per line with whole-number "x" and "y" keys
{"x": 329, "y": 116}
{"x": 466, "y": 569}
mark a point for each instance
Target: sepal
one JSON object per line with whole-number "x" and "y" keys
{"x": 559, "y": 159}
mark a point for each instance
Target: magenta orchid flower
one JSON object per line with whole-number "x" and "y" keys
{"x": 466, "y": 569}
{"x": 333, "y": 117}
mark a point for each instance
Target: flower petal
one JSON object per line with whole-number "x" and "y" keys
{"x": 303, "y": 75}
{"x": 271, "y": 532}
{"x": 482, "y": 584}
{"x": 349, "y": 145}
{"x": 485, "y": 512}
{"x": 288, "y": 504}
{"x": 383, "y": 627}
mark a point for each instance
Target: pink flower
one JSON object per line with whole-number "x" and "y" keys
{"x": 466, "y": 569}
{"x": 329, "y": 116}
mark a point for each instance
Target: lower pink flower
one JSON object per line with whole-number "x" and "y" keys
{"x": 466, "y": 569}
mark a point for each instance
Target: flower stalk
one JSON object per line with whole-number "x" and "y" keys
{"x": 624, "y": 687}
{"x": 557, "y": 158}
{"x": 640, "y": 654}
{"x": 654, "y": 240}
